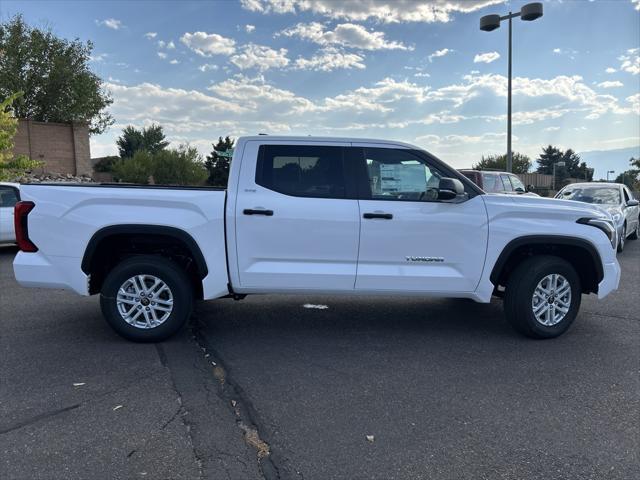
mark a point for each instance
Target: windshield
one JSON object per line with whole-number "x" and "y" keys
{"x": 597, "y": 195}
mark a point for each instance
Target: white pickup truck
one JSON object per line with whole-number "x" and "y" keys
{"x": 314, "y": 216}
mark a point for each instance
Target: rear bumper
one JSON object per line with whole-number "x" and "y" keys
{"x": 40, "y": 271}
{"x": 610, "y": 280}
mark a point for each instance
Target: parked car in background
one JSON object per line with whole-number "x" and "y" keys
{"x": 616, "y": 198}
{"x": 498, "y": 182}
{"x": 9, "y": 196}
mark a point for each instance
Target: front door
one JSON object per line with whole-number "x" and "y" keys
{"x": 410, "y": 241}
{"x": 297, "y": 223}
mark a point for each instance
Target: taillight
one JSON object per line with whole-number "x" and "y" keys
{"x": 22, "y": 209}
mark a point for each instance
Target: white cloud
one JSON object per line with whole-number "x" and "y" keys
{"x": 174, "y": 62}
{"x": 260, "y": 57}
{"x": 249, "y": 28}
{"x": 421, "y": 75}
{"x": 387, "y": 11}
{"x": 162, "y": 55}
{"x": 608, "y": 84}
{"x": 151, "y": 35}
{"x": 171, "y": 45}
{"x": 610, "y": 70}
{"x": 208, "y": 44}
{"x": 551, "y": 129}
{"x": 439, "y": 53}
{"x": 630, "y": 61}
{"x": 330, "y": 59}
{"x": 557, "y": 50}
{"x": 111, "y": 23}
{"x": 208, "y": 66}
{"x": 637, "y": 4}
{"x": 98, "y": 57}
{"x": 486, "y": 57}
{"x": 345, "y": 35}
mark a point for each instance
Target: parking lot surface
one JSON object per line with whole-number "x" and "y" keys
{"x": 319, "y": 388}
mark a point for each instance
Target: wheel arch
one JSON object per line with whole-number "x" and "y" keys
{"x": 580, "y": 253}
{"x": 132, "y": 237}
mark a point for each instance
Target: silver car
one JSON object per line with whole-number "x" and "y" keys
{"x": 615, "y": 198}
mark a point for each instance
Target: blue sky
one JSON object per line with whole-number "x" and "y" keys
{"x": 421, "y": 72}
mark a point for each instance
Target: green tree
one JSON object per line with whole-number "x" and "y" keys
{"x": 11, "y": 166}
{"x": 573, "y": 167}
{"x": 150, "y": 139}
{"x": 217, "y": 165}
{"x": 547, "y": 158}
{"x": 54, "y": 75}
{"x": 631, "y": 177}
{"x": 520, "y": 162}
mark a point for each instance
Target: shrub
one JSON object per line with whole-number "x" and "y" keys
{"x": 105, "y": 164}
{"x": 181, "y": 166}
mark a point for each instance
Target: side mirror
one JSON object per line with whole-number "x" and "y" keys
{"x": 633, "y": 203}
{"x": 450, "y": 189}
{"x": 530, "y": 188}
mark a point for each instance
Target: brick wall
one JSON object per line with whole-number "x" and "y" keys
{"x": 63, "y": 147}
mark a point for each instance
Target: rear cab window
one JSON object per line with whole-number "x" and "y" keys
{"x": 8, "y": 197}
{"x": 491, "y": 183}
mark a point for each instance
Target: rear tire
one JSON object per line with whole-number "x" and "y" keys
{"x": 146, "y": 298}
{"x": 542, "y": 297}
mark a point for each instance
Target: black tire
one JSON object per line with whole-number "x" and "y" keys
{"x": 622, "y": 239}
{"x": 520, "y": 288}
{"x": 636, "y": 232}
{"x": 162, "y": 268}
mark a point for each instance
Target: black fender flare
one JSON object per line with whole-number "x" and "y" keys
{"x": 137, "y": 229}
{"x": 545, "y": 240}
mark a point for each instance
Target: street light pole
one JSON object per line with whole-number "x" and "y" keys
{"x": 509, "y": 154}
{"x": 528, "y": 13}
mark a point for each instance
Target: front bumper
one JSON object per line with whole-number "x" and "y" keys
{"x": 610, "y": 280}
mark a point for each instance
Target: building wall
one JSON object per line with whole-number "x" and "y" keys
{"x": 63, "y": 147}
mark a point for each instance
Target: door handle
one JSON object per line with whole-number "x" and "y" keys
{"x": 385, "y": 216}
{"x": 255, "y": 211}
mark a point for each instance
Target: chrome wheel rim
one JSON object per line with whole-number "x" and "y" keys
{"x": 144, "y": 301}
{"x": 551, "y": 299}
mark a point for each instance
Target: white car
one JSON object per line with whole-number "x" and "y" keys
{"x": 616, "y": 199}
{"x": 9, "y": 196}
{"x": 314, "y": 216}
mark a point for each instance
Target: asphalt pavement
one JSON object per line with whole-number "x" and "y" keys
{"x": 319, "y": 388}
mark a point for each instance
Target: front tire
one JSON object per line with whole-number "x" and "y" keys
{"x": 623, "y": 238}
{"x": 146, "y": 298}
{"x": 636, "y": 232}
{"x": 542, "y": 297}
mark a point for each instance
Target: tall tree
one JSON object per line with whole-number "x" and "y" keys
{"x": 150, "y": 139}
{"x": 11, "y": 166}
{"x": 547, "y": 158}
{"x": 54, "y": 75}
{"x": 520, "y": 163}
{"x": 218, "y": 165}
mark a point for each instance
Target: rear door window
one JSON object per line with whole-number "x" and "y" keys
{"x": 302, "y": 170}
{"x": 491, "y": 183}
{"x": 506, "y": 183}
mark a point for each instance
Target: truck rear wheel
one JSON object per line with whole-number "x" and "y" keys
{"x": 542, "y": 297}
{"x": 146, "y": 298}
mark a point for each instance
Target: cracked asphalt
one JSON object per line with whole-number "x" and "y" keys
{"x": 266, "y": 388}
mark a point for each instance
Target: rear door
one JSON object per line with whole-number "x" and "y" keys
{"x": 410, "y": 241}
{"x": 8, "y": 199}
{"x": 296, "y": 218}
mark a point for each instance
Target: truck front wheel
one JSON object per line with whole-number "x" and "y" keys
{"x": 542, "y": 297}
{"x": 146, "y": 298}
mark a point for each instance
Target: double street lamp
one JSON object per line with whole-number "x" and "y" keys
{"x": 488, "y": 23}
